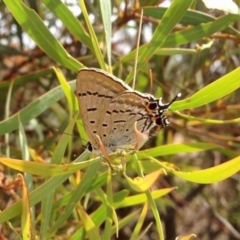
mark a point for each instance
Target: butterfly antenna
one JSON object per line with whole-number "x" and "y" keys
{"x": 151, "y": 81}
{"x": 174, "y": 99}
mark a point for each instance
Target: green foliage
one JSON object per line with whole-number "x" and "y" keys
{"x": 190, "y": 52}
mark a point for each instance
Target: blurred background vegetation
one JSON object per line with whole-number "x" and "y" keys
{"x": 184, "y": 65}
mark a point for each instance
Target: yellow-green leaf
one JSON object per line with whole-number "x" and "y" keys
{"x": 26, "y": 215}
{"x": 143, "y": 184}
{"x": 42, "y": 169}
{"x": 211, "y": 175}
{"x": 89, "y": 225}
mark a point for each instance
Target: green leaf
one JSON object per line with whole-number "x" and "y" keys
{"x": 69, "y": 20}
{"x": 213, "y": 174}
{"x": 92, "y": 36}
{"x": 89, "y": 225}
{"x": 140, "y": 222}
{"x": 77, "y": 195}
{"x": 171, "y": 17}
{"x": 141, "y": 198}
{"x": 20, "y": 81}
{"x": 26, "y": 156}
{"x": 187, "y": 35}
{"x": 26, "y": 214}
{"x": 170, "y": 149}
{"x": 219, "y": 88}
{"x": 46, "y": 170}
{"x": 58, "y": 155}
{"x": 191, "y": 17}
{"x": 34, "y": 26}
{"x": 34, "y": 109}
{"x": 106, "y": 17}
{"x": 72, "y": 101}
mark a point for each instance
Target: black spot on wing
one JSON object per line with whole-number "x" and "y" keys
{"x": 82, "y": 94}
{"x": 91, "y": 109}
{"x": 119, "y": 121}
{"x": 94, "y": 94}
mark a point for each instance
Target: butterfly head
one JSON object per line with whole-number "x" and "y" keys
{"x": 157, "y": 109}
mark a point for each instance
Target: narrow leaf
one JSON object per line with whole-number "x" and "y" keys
{"x": 212, "y": 175}
{"x": 88, "y": 224}
{"x": 26, "y": 214}
{"x": 34, "y": 26}
{"x": 212, "y": 92}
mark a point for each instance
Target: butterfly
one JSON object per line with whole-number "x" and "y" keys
{"x": 113, "y": 113}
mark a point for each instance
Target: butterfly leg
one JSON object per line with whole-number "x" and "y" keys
{"x": 122, "y": 167}
{"x": 141, "y": 138}
{"x": 104, "y": 151}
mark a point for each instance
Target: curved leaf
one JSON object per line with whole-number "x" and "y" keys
{"x": 212, "y": 175}
{"x": 212, "y": 92}
{"x": 46, "y": 170}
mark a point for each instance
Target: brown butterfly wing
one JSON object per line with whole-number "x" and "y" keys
{"x": 95, "y": 91}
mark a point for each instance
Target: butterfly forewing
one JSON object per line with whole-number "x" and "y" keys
{"x": 110, "y": 108}
{"x": 95, "y": 90}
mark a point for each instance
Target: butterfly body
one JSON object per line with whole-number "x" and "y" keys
{"x": 109, "y": 109}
